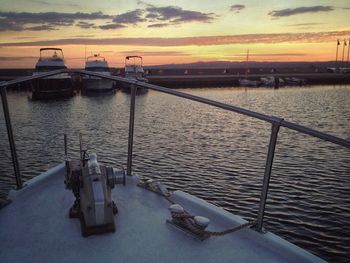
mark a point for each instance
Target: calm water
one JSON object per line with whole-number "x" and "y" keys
{"x": 213, "y": 154}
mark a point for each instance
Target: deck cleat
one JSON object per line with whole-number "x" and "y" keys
{"x": 192, "y": 225}
{"x": 201, "y": 222}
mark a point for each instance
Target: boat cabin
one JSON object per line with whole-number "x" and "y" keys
{"x": 50, "y": 59}
{"x": 96, "y": 63}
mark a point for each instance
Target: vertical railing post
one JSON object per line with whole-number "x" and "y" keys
{"x": 131, "y": 128}
{"x": 11, "y": 138}
{"x": 267, "y": 174}
{"x": 65, "y": 146}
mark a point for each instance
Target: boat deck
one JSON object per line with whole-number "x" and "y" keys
{"x": 35, "y": 227}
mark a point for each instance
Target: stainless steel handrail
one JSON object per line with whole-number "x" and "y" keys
{"x": 276, "y": 123}
{"x": 38, "y": 76}
{"x": 11, "y": 138}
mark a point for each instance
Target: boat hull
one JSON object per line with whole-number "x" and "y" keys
{"x": 124, "y": 87}
{"x": 52, "y": 88}
{"x": 97, "y": 86}
{"x": 139, "y": 90}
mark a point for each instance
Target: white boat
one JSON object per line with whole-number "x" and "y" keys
{"x": 134, "y": 70}
{"x": 338, "y": 70}
{"x": 294, "y": 81}
{"x": 248, "y": 83}
{"x": 271, "y": 81}
{"x": 93, "y": 84}
{"x": 138, "y": 221}
{"x": 39, "y": 225}
{"x": 57, "y": 86}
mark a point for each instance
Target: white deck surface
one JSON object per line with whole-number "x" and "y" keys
{"x": 35, "y": 228}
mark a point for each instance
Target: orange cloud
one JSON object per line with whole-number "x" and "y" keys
{"x": 316, "y": 37}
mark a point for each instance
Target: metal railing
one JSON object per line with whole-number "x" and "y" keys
{"x": 276, "y": 123}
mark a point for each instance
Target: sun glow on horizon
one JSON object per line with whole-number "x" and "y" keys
{"x": 172, "y": 34}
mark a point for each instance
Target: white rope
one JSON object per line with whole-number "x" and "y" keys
{"x": 187, "y": 220}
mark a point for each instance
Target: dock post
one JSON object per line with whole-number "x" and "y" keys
{"x": 131, "y": 128}
{"x": 267, "y": 174}
{"x": 277, "y": 82}
{"x": 11, "y": 138}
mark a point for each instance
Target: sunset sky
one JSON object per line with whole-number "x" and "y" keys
{"x": 166, "y": 32}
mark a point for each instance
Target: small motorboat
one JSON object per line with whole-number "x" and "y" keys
{"x": 294, "y": 81}
{"x": 271, "y": 81}
{"x": 248, "y": 83}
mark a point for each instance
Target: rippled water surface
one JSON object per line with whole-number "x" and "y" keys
{"x": 216, "y": 155}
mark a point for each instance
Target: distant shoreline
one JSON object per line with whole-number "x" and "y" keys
{"x": 213, "y": 77}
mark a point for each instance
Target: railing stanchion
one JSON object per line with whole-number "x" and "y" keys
{"x": 131, "y": 128}
{"x": 267, "y": 174}
{"x": 11, "y": 138}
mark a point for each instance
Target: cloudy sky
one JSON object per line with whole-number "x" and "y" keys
{"x": 169, "y": 31}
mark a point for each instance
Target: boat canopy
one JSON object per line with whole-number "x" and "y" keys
{"x": 50, "y": 48}
{"x": 129, "y": 57}
{"x": 54, "y": 55}
{"x": 133, "y": 65}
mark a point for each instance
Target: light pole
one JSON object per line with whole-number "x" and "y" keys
{"x": 336, "y": 55}
{"x": 342, "y": 59}
{"x": 347, "y": 60}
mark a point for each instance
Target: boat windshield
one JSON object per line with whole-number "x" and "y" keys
{"x": 96, "y": 57}
{"x": 51, "y": 54}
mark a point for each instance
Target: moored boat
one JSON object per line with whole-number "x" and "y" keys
{"x": 248, "y": 83}
{"x": 294, "y": 81}
{"x": 95, "y": 85}
{"x": 153, "y": 224}
{"x": 134, "y": 70}
{"x": 53, "y": 87}
{"x": 271, "y": 81}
